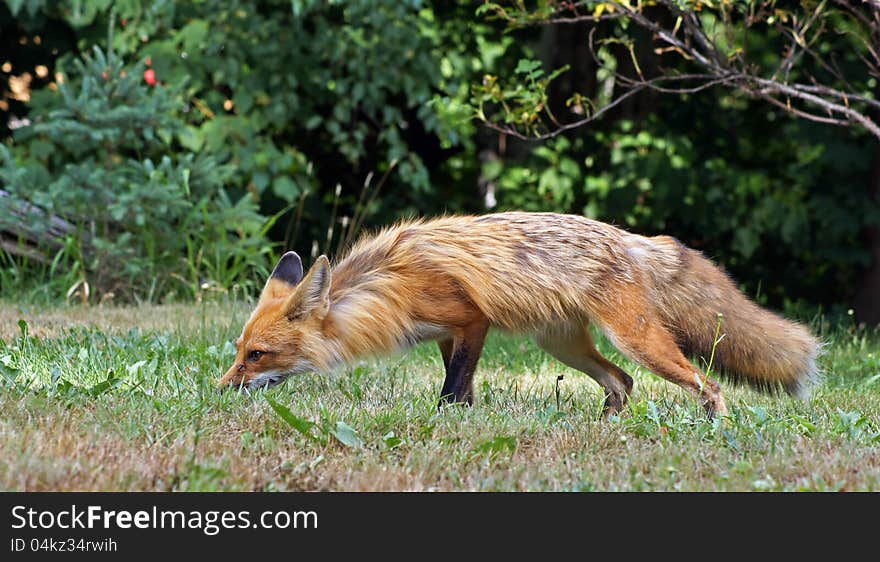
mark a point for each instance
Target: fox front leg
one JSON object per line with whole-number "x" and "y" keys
{"x": 460, "y": 356}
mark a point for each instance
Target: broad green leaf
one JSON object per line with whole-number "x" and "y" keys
{"x": 346, "y": 435}
{"x": 391, "y": 440}
{"x": 526, "y": 66}
{"x": 194, "y": 34}
{"x": 495, "y": 446}
{"x": 285, "y": 188}
{"x": 301, "y": 425}
{"x": 191, "y": 138}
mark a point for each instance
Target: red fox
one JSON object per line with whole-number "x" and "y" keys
{"x": 547, "y": 275}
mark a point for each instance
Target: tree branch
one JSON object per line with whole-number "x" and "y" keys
{"x": 852, "y": 115}
{"x": 718, "y": 69}
{"x": 568, "y": 126}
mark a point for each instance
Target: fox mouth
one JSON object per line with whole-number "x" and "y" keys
{"x": 270, "y": 378}
{"x": 266, "y": 380}
{"x": 263, "y": 380}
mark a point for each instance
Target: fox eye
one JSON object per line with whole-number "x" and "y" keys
{"x": 255, "y": 355}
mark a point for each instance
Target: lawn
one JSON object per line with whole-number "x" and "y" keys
{"x": 123, "y": 399}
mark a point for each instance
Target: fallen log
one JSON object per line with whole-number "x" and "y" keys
{"x": 27, "y": 230}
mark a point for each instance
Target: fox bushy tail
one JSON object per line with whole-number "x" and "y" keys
{"x": 756, "y": 346}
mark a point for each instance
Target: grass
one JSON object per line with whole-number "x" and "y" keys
{"x": 123, "y": 399}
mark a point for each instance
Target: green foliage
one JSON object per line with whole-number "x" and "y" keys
{"x": 524, "y": 102}
{"x": 329, "y": 117}
{"x": 103, "y": 157}
{"x": 302, "y": 96}
{"x": 297, "y": 423}
{"x": 283, "y": 100}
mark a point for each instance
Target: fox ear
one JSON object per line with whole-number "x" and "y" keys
{"x": 312, "y": 295}
{"x": 285, "y": 277}
{"x": 289, "y": 269}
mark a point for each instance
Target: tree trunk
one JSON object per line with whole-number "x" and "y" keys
{"x": 867, "y": 302}
{"x": 561, "y": 45}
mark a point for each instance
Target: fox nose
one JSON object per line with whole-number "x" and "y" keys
{"x": 234, "y": 384}
{"x": 233, "y": 377}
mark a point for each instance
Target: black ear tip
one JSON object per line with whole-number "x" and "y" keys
{"x": 289, "y": 268}
{"x": 291, "y": 255}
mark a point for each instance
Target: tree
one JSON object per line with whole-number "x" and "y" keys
{"x": 99, "y": 158}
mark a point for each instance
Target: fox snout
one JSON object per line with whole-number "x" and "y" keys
{"x": 235, "y": 376}
{"x": 239, "y": 377}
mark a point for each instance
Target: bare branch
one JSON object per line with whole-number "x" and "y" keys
{"x": 847, "y": 98}
{"x": 798, "y": 39}
{"x": 769, "y": 86}
{"x": 804, "y": 114}
{"x": 634, "y": 88}
{"x": 586, "y": 18}
{"x": 665, "y": 35}
{"x": 711, "y": 81}
{"x": 816, "y": 102}
{"x": 847, "y": 5}
{"x": 568, "y": 126}
{"x": 709, "y": 58}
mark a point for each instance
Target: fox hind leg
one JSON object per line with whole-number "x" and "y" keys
{"x": 577, "y": 349}
{"x": 643, "y": 338}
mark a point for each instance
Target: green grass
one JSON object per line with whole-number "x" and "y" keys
{"x": 129, "y": 404}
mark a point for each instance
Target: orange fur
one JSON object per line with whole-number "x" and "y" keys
{"x": 542, "y": 274}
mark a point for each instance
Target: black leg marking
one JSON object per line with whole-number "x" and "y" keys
{"x": 456, "y": 376}
{"x": 445, "y": 352}
{"x": 460, "y": 355}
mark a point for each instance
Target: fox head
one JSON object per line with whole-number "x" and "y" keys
{"x": 284, "y": 335}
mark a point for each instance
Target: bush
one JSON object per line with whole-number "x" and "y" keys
{"x": 150, "y": 218}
